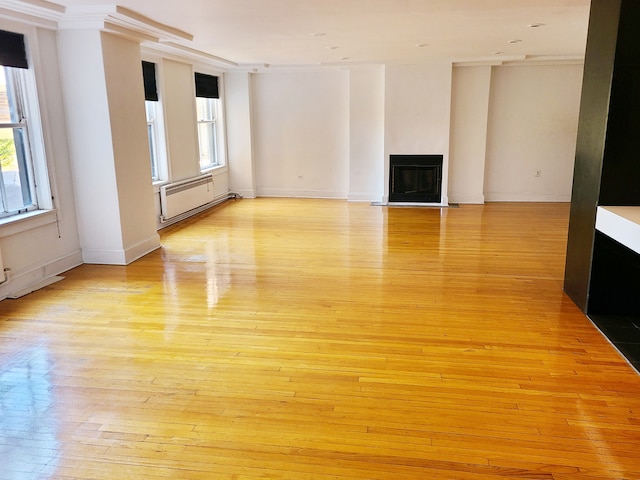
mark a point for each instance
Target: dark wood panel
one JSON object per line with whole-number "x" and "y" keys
{"x": 592, "y": 128}
{"x": 615, "y": 278}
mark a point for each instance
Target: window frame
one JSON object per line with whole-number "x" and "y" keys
{"x": 22, "y": 150}
{"x": 36, "y": 165}
{"x": 218, "y": 122}
{"x": 210, "y": 125}
{"x": 158, "y": 127}
{"x": 152, "y": 134}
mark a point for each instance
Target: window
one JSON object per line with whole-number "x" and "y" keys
{"x": 152, "y": 132}
{"x": 154, "y": 123}
{"x": 16, "y": 185}
{"x": 17, "y": 175}
{"x": 208, "y": 114}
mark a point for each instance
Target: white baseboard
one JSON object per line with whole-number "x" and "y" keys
{"x": 122, "y": 256}
{"x": 104, "y": 257}
{"x": 35, "y": 286}
{"x": 140, "y": 249}
{"x": 527, "y": 197}
{"x": 246, "y": 193}
{"x": 472, "y": 199}
{"x": 363, "y": 197}
{"x": 284, "y": 192}
{"x": 20, "y": 283}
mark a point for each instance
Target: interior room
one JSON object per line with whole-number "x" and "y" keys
{"x": 360, "y": 239}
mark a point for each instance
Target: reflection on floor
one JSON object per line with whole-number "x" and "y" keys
{"x": 623, "y": 332}
{"x": 28, "y": 433}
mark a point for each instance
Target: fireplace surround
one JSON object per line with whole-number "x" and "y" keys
{"x": 415, "y": 178}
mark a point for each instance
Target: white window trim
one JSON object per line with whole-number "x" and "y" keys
{"x": 26, "y": 221}
{"x": 162, "y": 145}
{"x": 35, "y": 109}
{"x": 220, "y": 121}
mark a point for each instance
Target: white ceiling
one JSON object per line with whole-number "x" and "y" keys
{"x": 312, "y": 32}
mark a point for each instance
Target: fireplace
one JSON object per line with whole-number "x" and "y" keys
{"x": 415, "y": 178}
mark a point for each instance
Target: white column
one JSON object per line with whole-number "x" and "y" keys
{"x": 366, "y": 133}
{"x": 237, "y": 89}
{"x": 469, "y": 120}
{"x": 104, "y": 101}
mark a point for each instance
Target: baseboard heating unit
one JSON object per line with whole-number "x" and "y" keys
{"x": 180, "y": 197}
{"x": 180, "y": 200}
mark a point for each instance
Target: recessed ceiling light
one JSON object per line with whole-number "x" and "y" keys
{"x": 535, "y": 25}
{"x": 515, "y": 40}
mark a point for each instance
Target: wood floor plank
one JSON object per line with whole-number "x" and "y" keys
{"x": 320, "y": 339}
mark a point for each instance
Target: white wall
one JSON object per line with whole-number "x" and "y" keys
{"x": 301, "y": 133}
{"x": 469, "y": 122}
{"x": 178, "y": 97}
{"x": 239, "y": 134}
{"x": 489, "y": 123}
{"x": 366, "y": 133}
{"x": 418, "y": 113}
{"x": 533, "y": 119}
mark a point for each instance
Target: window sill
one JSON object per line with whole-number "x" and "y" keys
{"x": 214, "y": 170}
{"x": 26, "y": 221}
{"x": 158, "y": 184}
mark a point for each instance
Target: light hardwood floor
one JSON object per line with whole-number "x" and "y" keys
{"x": 320, "y": 339}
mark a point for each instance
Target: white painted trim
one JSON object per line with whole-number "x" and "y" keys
{"x": 470, "y": 199}
{"x": 289, "y": 68}
{"x": 104, "y": 257}
{"x": 36, "y": 286}
{"x": 27, "y": 221}
{"x": 140, "y": 249}
{"x": 526, "y": 197}
{"x": 39, "y": 13}
{"x": 181, "y": 53}
{"x": 246, "y": 193}
{"x": 118, "y": 19}
{"x": 124, "y": 256}
{"x": 362, "y": 197}
{"x": 29, "y": 279}
{"x": 285, "y": 192}
{"x": 620, "y": 223}
{"x": 520, "y": 60}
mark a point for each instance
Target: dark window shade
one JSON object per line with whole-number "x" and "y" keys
{"x": 150, "y": 86}
{"x": 12, "y": 51}
{"x": 206, "y": 86}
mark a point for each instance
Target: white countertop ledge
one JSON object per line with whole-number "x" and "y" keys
{"x": 620, "y": 223}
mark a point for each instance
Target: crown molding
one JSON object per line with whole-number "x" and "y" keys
{"x": 153, "y": 36}
{"x": 548, "y": 60}
{"x": 121, "y": 21}
{"x": 178, "y": 52}
{"x": 39, "y": 13}
{"x": 522, "y": 60}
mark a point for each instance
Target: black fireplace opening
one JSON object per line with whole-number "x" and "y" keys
{"x": 415, "y": 178}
